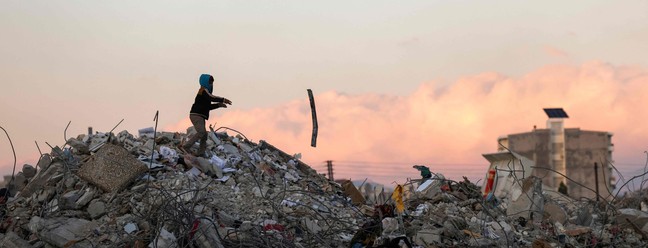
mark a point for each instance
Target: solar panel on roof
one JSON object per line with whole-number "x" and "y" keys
{"x": 556, "y": 113}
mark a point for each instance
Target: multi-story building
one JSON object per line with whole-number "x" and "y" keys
{"x": 576, "y": 158}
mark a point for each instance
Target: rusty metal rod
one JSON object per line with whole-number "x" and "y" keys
{"x": 314, "y": 114}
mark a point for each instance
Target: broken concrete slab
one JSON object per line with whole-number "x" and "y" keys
{"x": 429, "y": 237}
{"x": 577, "y": 230}
{"x": 45, "y": 195}
{"x": 111, "y": 168}
{"x": 79, "y": 146}
{"x": 207, "y": 236}
{"x": 87, "y": 196}
{"x": 41, "y": 179}
{"x": 98, "y": 140}
{"x": 389, "y": 226}
{"x": 554, "y": 213}
{"x": 29, "y": 171}
{"x": 311, "y": 225}
{"x": 44, "y": 161}
{"x": 12, "y": 240}
{"x": 62, "y": 232}
{"x": 530, "y": 203}
{"x": 628, "y": 217}
{"x": 69, "y": 199}
{"x": 430, "y": 188}
{"x": 207, "y": 167}
{"x": 502, "y": 184}
{"x": 352, "y": 192}
{"x": 166, "y": 239}
{"x": 583, "y": 217}
{"x": 231, "y": 149}
{"x": 18, "y": 183}
{"x": 146, "y": 132}
{"x": 96, "y": 209}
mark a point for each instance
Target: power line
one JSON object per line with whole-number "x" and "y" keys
{"x": 402, "y": 163}
{"x": 394, "y": 169}
{"x": 393, "y": 173}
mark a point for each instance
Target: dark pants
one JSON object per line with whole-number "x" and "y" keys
{"x": 201, "y": 133}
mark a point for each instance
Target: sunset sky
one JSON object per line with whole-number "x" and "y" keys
{"x": 396, "y": 83}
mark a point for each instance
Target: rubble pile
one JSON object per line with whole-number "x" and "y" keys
{"x": 445, "y": 213}
{"x": 106, "y": 190}
{"x": 103, "y": 190}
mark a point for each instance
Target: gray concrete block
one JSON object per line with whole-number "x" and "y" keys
{"x": 41, "y": 179}
{"x": 87, "y": 196}
{"x": 12, "y": 240}
{"x": 61, "y": 232}
{"x": 79, "y": 146}
{"x": 112, "y": 168}
{"x": 96, "y": 209}
{"x": 428, "y": 237}
{"x": 207, "y": 236}
{"x": 68, "y": 201}
{"x": 29, "y": 171}
{"x": 44, "y": 162}
{"x": 554, "y": 213}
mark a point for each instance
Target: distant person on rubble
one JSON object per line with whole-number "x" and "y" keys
{"x": 199, "y": 113}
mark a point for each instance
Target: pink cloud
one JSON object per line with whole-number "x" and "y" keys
{"x": 381, "y": 136}
{"x": 555, "y": 52}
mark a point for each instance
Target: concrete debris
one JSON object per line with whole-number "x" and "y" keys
{"x": 553, "y": 213}
{"x": 446, "y": 213}
{"x": 78, "y": 145}
{"x": 44, "y": 162}
{"x": 96, "y": 209}
{"x": 18, "y": 183}
{"x": 102, "y": 190}
{"x": 28, "y": 171}
{"x": 148, "y": 132}
{"x": 111, "y": 168}
{"x": 130, "y": 228}
{"x": 63, "y": 232}
{"x": 429, "y": 237}
{"x": 351, "y": 191}
{"x": 633, "y": 218}
{"x": 576, "y": 231}
{"x": 43, "y": 177}
{"x": 12, "y": 240}
{"x": 529, "y": 204}
{"x": 389, "y": 225}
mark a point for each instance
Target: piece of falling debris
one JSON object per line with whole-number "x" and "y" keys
{"x": 312, "y": 104}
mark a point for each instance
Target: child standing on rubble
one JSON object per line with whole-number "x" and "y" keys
{"x": 199, "y": 113}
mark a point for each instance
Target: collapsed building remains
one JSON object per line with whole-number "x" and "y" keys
{"x": 106, "y": 190}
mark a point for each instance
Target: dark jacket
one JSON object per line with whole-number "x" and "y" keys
{"x": 203, "y": 104}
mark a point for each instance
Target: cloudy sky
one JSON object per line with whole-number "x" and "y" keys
{"x": 396, "y": 83}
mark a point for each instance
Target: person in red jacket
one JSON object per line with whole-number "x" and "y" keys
{"x": 199, "y": 113}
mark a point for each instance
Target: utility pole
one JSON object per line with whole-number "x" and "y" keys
{"x": 596, "y": 181}
{"x": 329, "y": 166}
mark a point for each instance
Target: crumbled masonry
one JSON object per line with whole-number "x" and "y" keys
{"x": 106, "y": 190}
